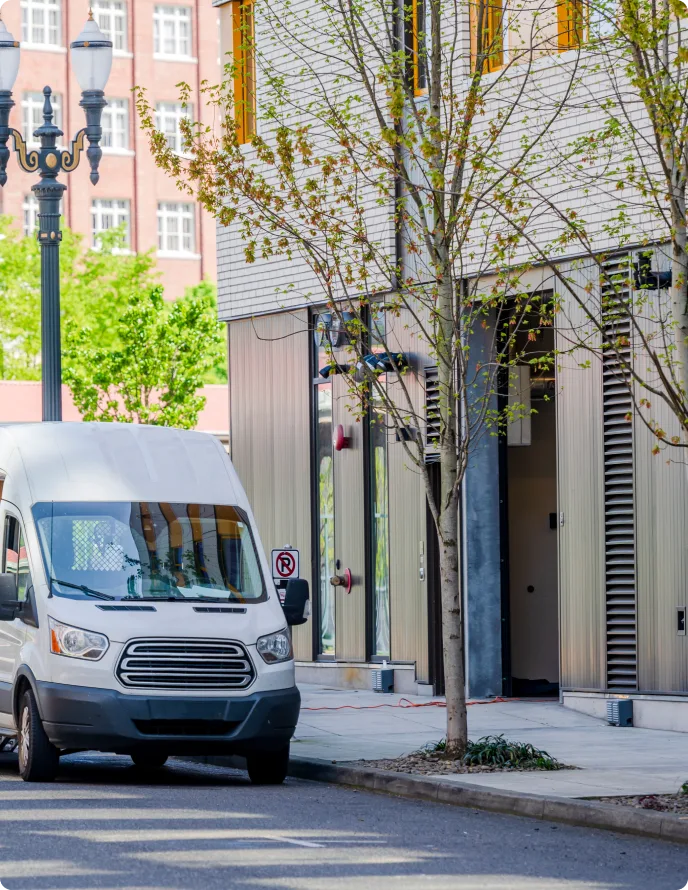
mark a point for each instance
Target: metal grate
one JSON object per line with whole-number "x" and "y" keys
{"x": 432, "y": 414}
{"x": 185, "y": 664}
{"x": 100, "y": 545}
{"x": 619, "y": 499}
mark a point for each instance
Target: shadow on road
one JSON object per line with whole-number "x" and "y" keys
{"x": 106, "y": 825}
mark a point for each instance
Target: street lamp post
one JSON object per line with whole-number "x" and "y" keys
{"x": 92, "y": 61}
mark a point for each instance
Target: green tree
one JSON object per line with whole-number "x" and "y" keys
{"x": 218, "y": 372}
{"x": 154, "y": 374}
{"x": 95, "y": 288}
{"x": 392, "y": 164}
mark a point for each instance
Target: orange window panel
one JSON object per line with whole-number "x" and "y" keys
{"x": 416, "y": 43}
{"x": 572, "y": 22}
{"x": 244, "y": 70}
{"x": 491, "y": 15}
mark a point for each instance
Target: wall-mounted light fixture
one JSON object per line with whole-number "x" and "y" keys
{"x": 339, "y": 439}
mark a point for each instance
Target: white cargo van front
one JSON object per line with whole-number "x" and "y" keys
{"x": 137, "y": 611}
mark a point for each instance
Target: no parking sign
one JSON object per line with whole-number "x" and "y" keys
{"x": 285, "y": 565}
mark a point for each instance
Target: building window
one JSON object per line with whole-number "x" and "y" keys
{"x": 172, "y": 31}
{"x": 416, "y": 48}
{"x": 176, "y": 228}
{"x": 168, "y": 118}
{"x": 379, "y": 500}
{"x": 32, "y": 114}
{"x": 111, "y": 16}
{"x": 116, "y": 124}
{"x": 571, "y": 23}
{"x": 42, "y": 22}
{"x": 324, "y": 495}
{"x": 244, "y": 70}
{"x": 491, "y": 16}
{"x": 30, "y": 211}
{"x": 110, "y": 214}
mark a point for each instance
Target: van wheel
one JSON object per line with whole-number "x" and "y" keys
{"x": 38, "y": 757}
{"x": 148, "y": 760}
{"x": 268, "y": 767}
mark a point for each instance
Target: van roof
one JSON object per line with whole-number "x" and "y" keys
{"x": 114, "y": 462}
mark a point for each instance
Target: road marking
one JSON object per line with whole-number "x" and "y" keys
{"x": 289, "y": 840}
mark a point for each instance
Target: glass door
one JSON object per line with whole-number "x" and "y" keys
{"x": 324, "y": 498}
{"x": 379, "y": 500}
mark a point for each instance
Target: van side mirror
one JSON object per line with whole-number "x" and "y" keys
{"x": 9, "y": 604}
{"x": 296, "y": 602}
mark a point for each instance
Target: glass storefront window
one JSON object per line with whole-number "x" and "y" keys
{"x": 325, "y": 501}
{"x": 379, "y": 501}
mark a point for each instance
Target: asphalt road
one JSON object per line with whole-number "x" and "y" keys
{"x": 201, "y": 828}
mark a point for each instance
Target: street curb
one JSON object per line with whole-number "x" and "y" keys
{"x": 588, "y": 814}
{"x": 584, "y": 813}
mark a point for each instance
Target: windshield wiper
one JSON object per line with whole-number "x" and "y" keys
{"x": 89, "y": 591}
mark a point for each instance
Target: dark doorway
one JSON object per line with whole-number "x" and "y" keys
{"x": 532, "y": 536}
{"x": 435, "y": 645}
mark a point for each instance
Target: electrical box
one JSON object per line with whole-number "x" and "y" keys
{"x": 620, "y": 712}
{"x": 383, "y": 680}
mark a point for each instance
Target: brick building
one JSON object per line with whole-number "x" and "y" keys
{"x": 156, "y": 45}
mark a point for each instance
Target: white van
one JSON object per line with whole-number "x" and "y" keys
{"x": 137, "y": 611}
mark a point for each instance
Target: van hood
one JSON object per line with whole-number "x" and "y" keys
{"x": 170, "y": 619}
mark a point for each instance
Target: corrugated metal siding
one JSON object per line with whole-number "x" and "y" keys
{"x": 407, "y": 516}
{"x": 662, "y": 554}
{"x": 349, "y": 529}
{"x": 580, "y": 497}
{"x": 269, "y": 380}
{"x": 619, "y": 484}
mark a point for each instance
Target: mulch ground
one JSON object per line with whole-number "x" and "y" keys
{"x": 661, "y": 803}
{"x": 433, "y": 765}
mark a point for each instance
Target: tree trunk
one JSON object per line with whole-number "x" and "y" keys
{"x": 452, "y": 631}
{"x": 448, "y": 514}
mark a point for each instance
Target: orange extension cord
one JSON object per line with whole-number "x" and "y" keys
{"x": 405, "y": 703}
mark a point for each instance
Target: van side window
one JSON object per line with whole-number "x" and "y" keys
{"x": 15, "y": 560}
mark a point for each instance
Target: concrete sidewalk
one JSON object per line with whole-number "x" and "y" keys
{"x": 343, "y": 726}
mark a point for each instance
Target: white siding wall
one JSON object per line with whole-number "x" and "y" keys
{"x": 268, "y": 285}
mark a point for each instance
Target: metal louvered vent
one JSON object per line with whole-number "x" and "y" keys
{"x": 432, "y": 414}
{"x": 619, "y": 500}
{"x": 185, "y": 664}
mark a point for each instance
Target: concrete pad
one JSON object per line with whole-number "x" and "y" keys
{"x": 612, "y": 761}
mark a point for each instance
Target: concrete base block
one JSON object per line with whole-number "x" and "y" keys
{"x": 649, "y": 711}
{"x": 353, "y": 675}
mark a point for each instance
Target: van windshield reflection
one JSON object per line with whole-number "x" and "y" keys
{"x": 149, "y": 551}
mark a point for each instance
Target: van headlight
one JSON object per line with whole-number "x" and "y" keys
{"x": 75, "y": 642}
{"x": 275, "y": 647}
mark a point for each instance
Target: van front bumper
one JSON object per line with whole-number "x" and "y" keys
{"x": 84, "y": 718}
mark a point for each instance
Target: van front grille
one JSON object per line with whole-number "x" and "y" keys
{"x": 185, "y": 664}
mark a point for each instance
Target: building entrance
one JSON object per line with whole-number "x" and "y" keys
{"x": 533, "y": 521}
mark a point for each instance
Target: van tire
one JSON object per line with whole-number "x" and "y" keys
{"x": 39, "y": 759}
{"x": 268, "y": 767}
{"x": 149, "y": 760}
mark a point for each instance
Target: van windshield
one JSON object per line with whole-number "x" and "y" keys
{"x": 145, "y": 550}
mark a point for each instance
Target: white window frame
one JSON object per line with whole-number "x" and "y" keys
{"x": 32, "y": 114}
{"x": 169, "y": 23}
{"x": 114, "y": 212}
{"x": 36, "y": 18}
{"x": 111, "y": 16}
{"x": 168, "y": 116}
{"x": 30, "y": 214}
{"x": 30, "y": 210}
{"x": 176, "y": 229}
{"x": 115, "y": 123}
